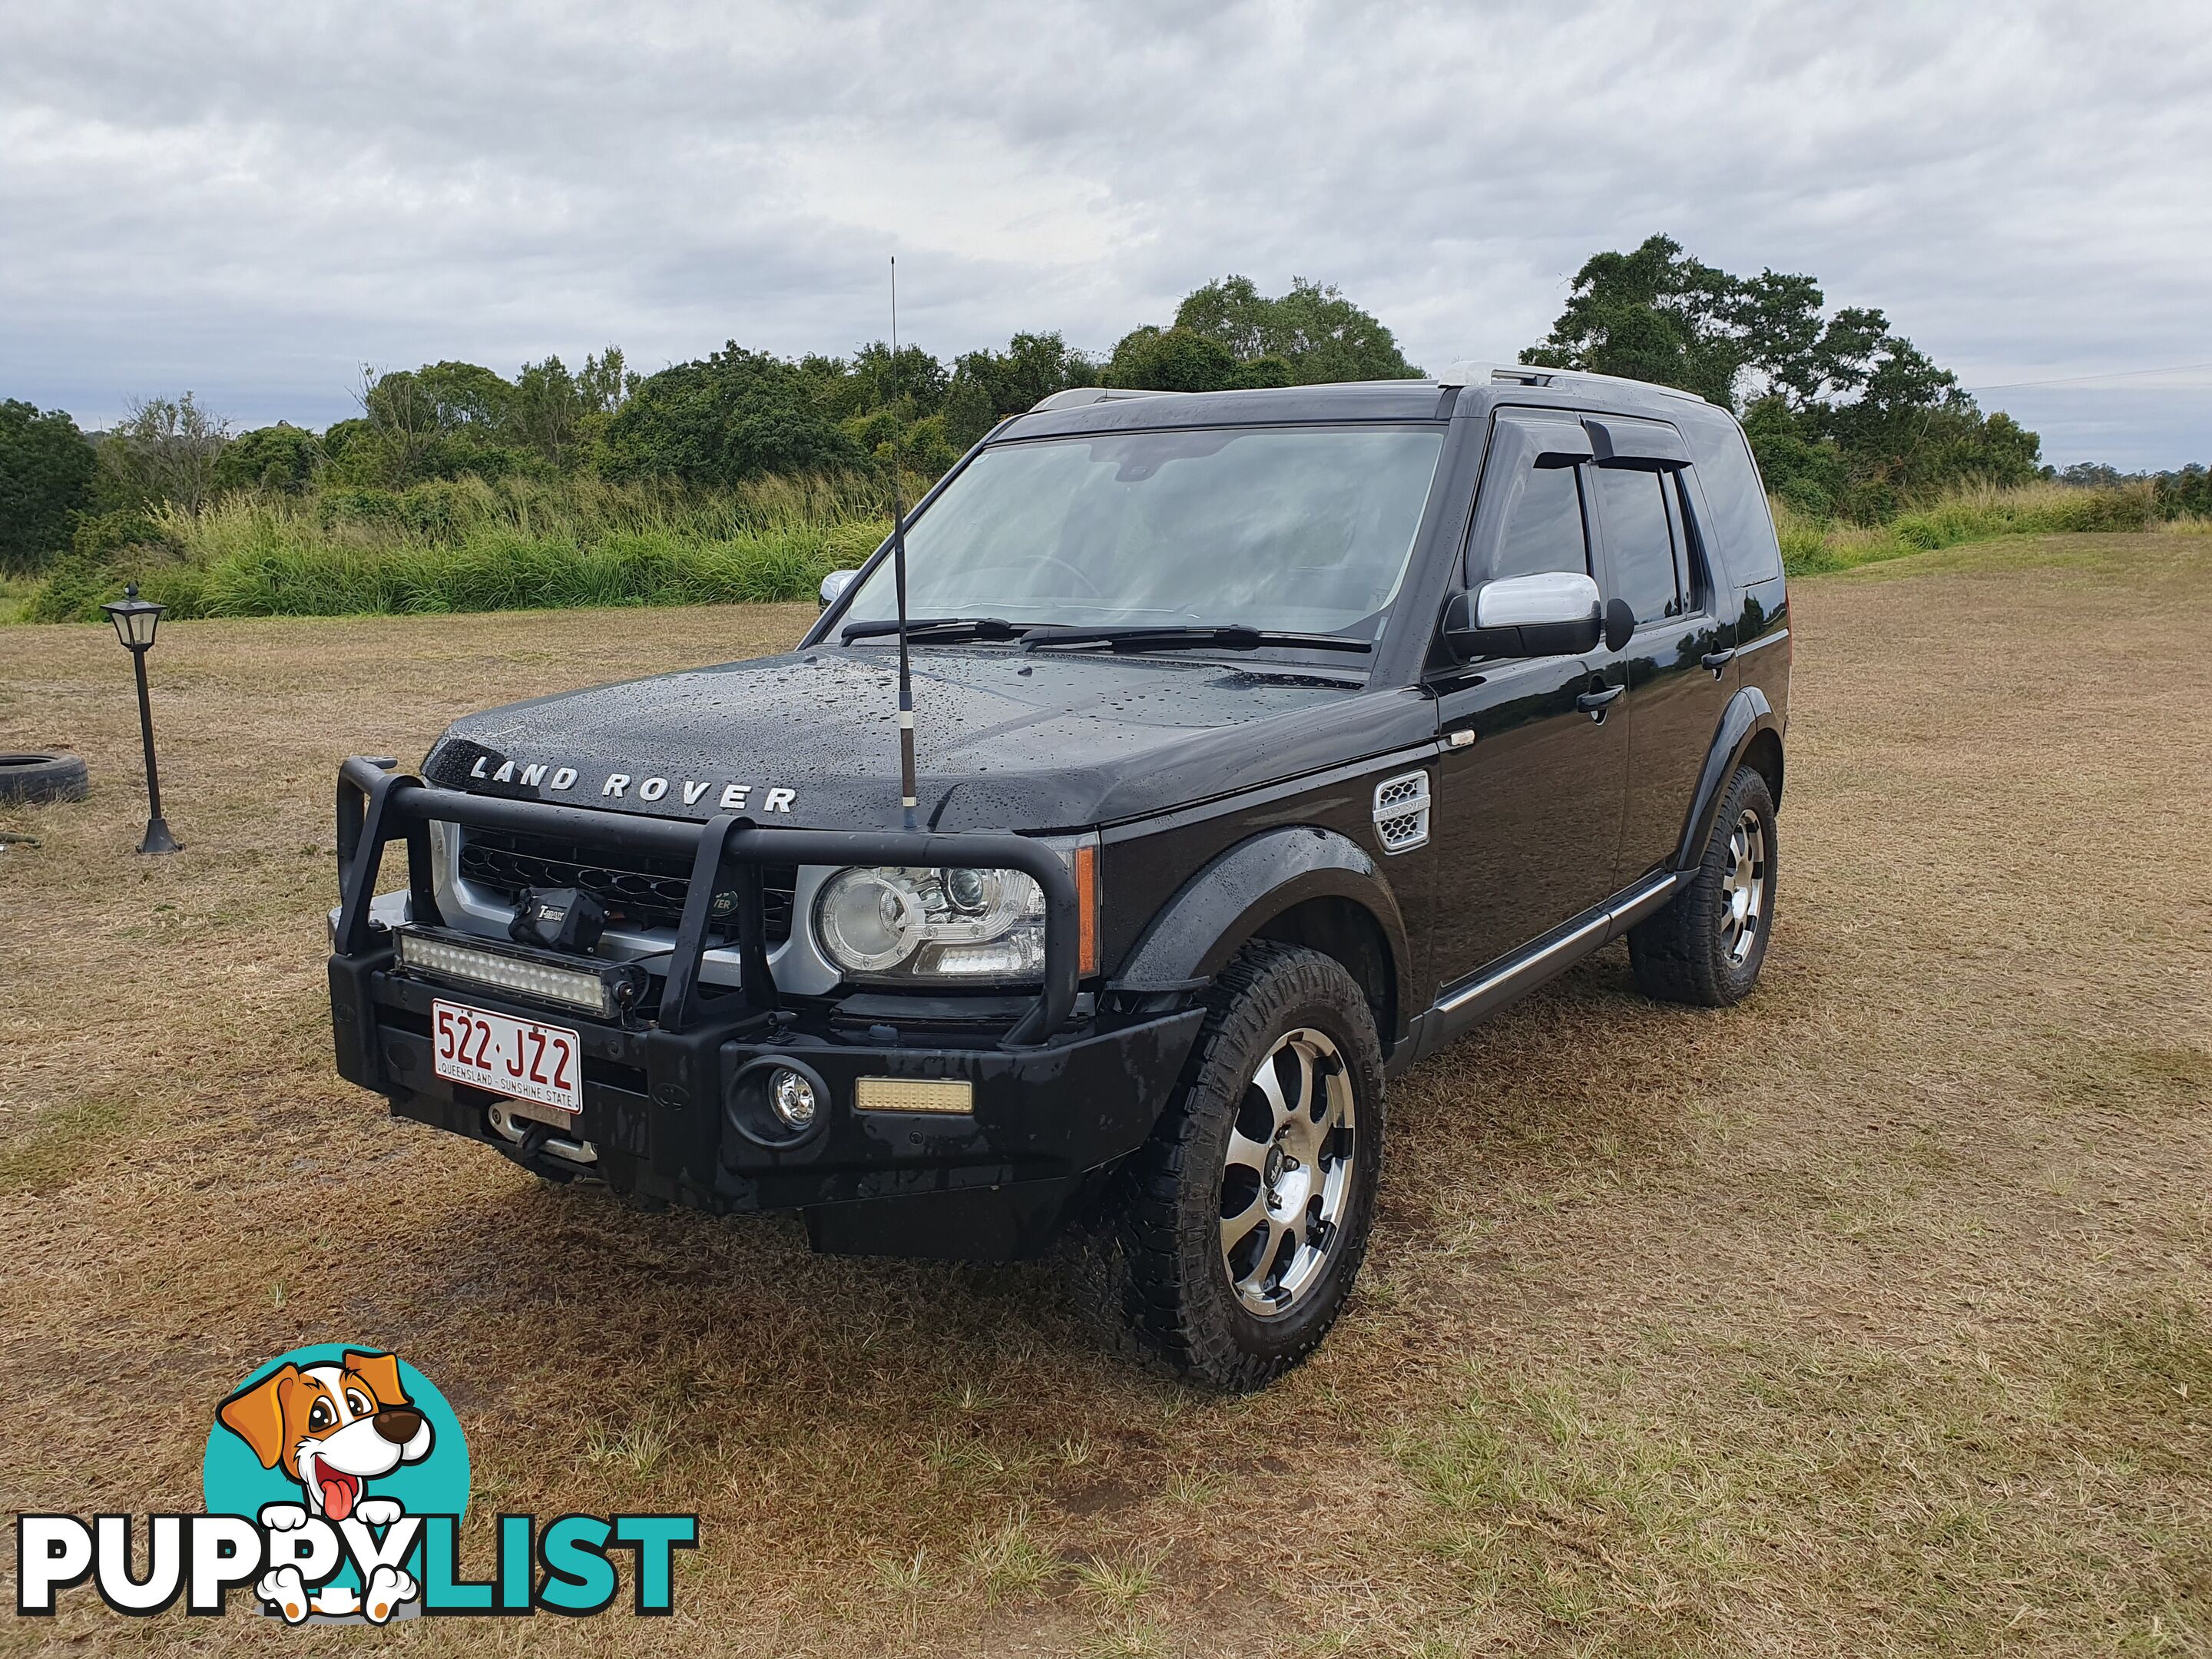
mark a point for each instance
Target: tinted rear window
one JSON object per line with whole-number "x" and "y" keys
{"x": 1742, "y": 525}
{"x": 1545, "y": 531}
{"x": 1641, "y": 541}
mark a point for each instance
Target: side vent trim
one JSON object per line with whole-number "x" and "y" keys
{"x": 1401, "y": 811}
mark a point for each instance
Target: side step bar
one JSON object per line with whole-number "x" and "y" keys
{"x": 1464, "y": 1006}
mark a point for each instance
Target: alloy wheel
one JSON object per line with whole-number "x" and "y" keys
{"x": 1286, "y": 1180}
{"x": 1744, "y": 887}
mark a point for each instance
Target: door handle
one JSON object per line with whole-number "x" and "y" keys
{"x": 1717, "y": 660}
{"x": 1595, "y": 703}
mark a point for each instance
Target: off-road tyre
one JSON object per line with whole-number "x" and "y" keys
{"x": 1177, "y": 1287}
{"x": 42, "y": 778}
{"x": 1688, "y": 952}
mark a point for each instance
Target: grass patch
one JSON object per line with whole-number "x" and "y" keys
{"x": 49, "y": 1156}
{"x": 1008, "y": 1564}
{"x": 1116, "y": 1583}
{"x": 1133, "y": 1639}
{"x": 641, "y": 1449}
{"x": 473, "y": 545}
{"x": 1974, "y": 512}
{"x": 1961, "y": 1495}
{"x": 1594, "y": 1517}
{"x": 16, "y": 593}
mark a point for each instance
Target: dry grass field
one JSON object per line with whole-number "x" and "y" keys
{"x": 1871, "y": 1316}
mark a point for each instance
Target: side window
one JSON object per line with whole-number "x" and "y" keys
{"x": 1639, "y": 536}
{"x": 1545, "y": 530}
{"x": 1696, "y": 594}
{"x": 1741, "y": 537}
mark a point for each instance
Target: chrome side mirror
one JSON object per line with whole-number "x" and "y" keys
{"x": 833, "y": 586}
{"x": 1555, "y": 613}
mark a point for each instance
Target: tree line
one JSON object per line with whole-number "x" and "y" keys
{"x": 724, "y": 420}
{"x": 1847, "y": 417}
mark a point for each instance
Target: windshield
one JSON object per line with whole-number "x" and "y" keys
{"x": 1300, "y": 530}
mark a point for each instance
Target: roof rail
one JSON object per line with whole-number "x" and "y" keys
{"x": 1076, "y": 397}
{"x": 1472, "y": 373}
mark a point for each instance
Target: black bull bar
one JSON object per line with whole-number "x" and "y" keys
{"x": 378, "y": 805}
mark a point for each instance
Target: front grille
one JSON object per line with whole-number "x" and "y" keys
{"x": 640, "y": 890}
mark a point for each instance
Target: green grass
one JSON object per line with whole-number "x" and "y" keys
{"x": 52, "y": 1151}
{"x": 473, "y": 545}
{"x": 1630, "y": 1514}
{"x": 514, "y": 544}
{"x": 1981, "y": 512}
{"x": 1010, "y": 1562}
{"x": 16, "y": 594}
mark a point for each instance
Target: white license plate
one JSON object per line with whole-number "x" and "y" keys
{"x": 507, "y": 1056}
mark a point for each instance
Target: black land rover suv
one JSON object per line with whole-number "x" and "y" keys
{"x": 1267, "y": 740}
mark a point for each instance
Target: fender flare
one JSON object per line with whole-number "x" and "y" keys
{"x": 1241, "y": 890}
{"x": 1748, "y": 714}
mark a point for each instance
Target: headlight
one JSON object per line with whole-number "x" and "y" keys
{"x": 933, "y": 924}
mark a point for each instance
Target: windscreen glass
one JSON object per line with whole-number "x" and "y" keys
{"x": 1304, "y": 530}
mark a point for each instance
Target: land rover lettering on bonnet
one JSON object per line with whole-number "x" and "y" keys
{"x": 1266, "y": 741}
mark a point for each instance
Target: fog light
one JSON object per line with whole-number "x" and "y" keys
{"x": 776, "y": 1101}
{"x": 792, "y": 1097}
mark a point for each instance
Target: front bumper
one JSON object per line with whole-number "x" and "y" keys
{"x": 994, "y": 1185}
{"x": 1055, "y": 1101}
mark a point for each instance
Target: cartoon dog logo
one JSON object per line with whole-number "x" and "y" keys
{"x": 333, "y": 1428}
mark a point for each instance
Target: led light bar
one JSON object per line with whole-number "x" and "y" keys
{"x": 600, "y": 990}
{"x": 908, "y": 1094}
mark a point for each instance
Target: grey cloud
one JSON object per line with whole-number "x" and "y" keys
{"x": 252, "y": 199}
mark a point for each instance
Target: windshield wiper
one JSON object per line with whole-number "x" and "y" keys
{"x": 1225, "y": 636}
{"x": 940, "y": 628}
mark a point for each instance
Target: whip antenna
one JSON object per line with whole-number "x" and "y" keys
{"x": 907, "y": 797}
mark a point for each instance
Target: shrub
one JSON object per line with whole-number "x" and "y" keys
{"x": 2185, "y": 494}
{"x": 737, "y": 416}
{"x": 165, "y": 449}
{"x": 77, "y": 586}
{"x": 46, "y": 478}
{"x": 277, "y": 457}
{"x": 1266, "y": 370}
{"x": 100, "y": 538}
{"x": 1313, "y": 331}
{"x": 1170, "y": 359}
{"x": 989, "y": 385}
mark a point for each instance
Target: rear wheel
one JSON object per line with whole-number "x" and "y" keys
{"x": 1248, "y": 1211}
{"x": 1706, "y": 946}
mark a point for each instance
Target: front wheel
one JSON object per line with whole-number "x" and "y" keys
{"x": 1248, "y": 1211}
{"x": 1706, "y": 946}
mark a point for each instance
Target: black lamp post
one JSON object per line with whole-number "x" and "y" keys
{"x": 136, "y": 621}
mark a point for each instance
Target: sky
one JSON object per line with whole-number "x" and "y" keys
{"x": 252, "y": 201}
